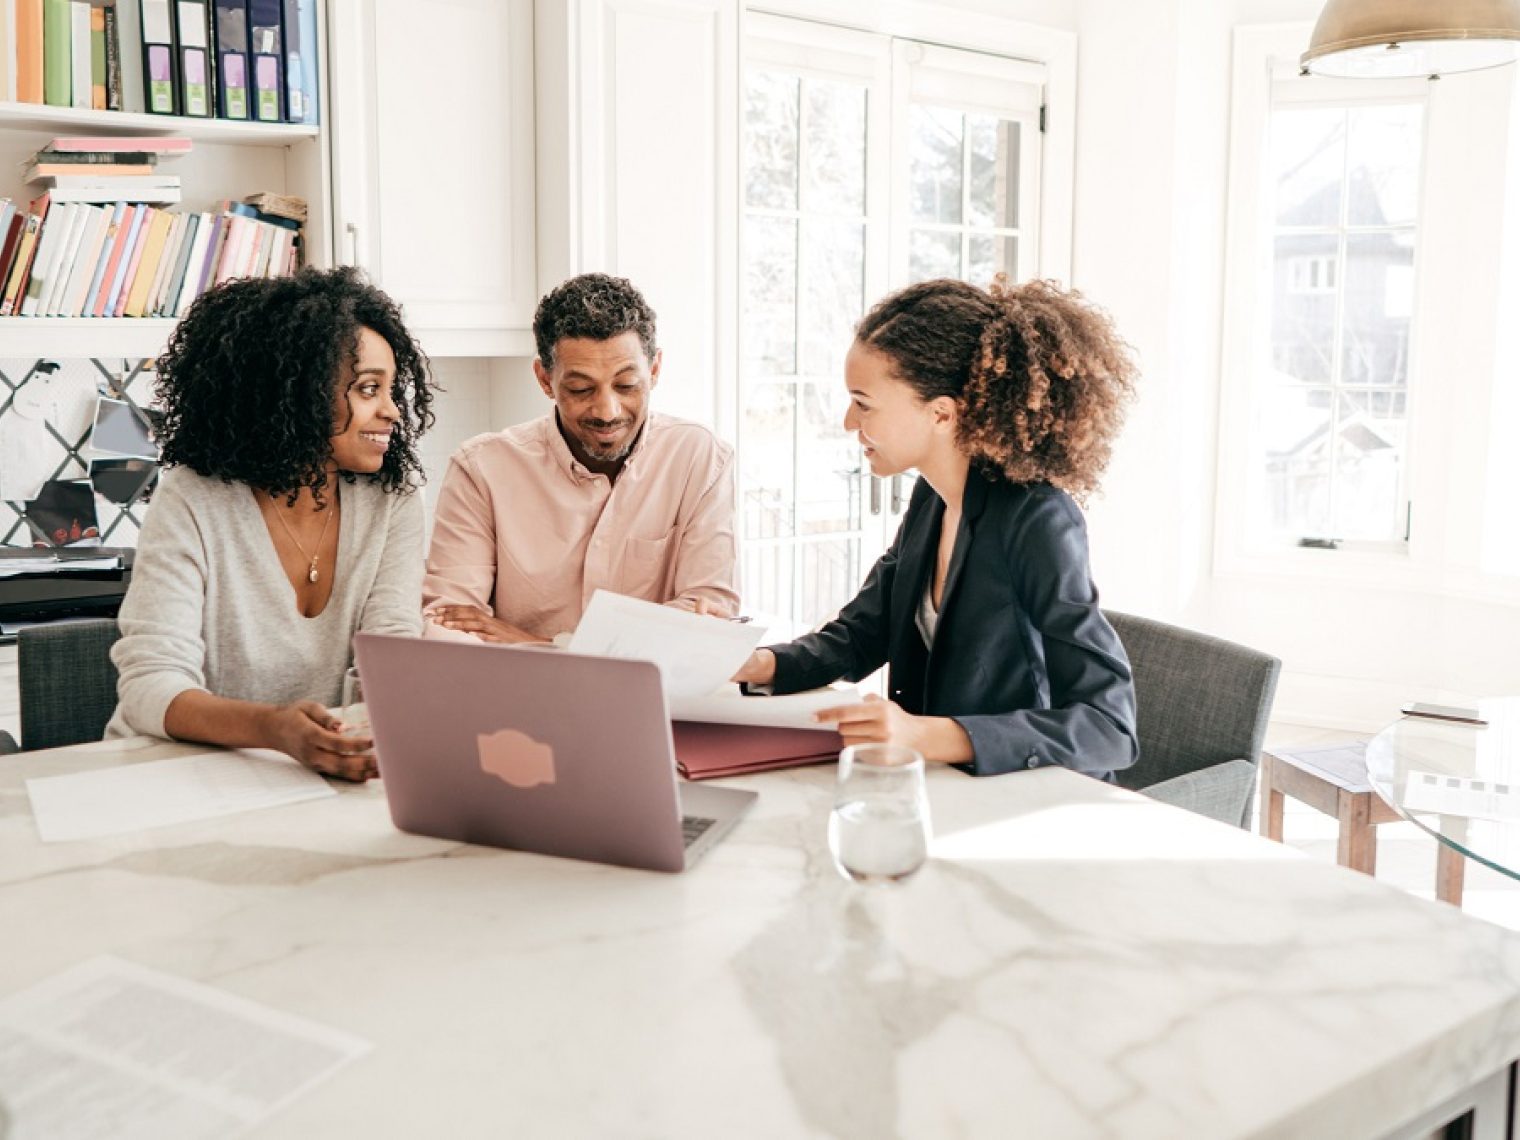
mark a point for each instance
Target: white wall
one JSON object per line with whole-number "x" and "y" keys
{"x": 1151, "y": 198}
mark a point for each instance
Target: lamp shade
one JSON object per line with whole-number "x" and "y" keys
{"x": 1412, "y": 38}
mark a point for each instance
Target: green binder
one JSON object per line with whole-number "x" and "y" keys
{"x": 57, "y": 46}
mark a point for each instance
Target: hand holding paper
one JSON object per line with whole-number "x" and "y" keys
{"x": 695, "y": 653}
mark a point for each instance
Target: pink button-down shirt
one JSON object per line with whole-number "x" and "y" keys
{"x": 527, "y": 533}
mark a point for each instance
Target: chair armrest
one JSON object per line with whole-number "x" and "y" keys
{"x": 8, "y": 744}
{"x": 1220, "y": 791}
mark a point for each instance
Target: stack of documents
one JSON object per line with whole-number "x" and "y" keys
{"x": 717, "y": 730}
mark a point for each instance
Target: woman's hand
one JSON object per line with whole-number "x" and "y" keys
{"x": 309, "y": 733}
{"x": 760, "y": 669}
{"x": 878, "y": 721}
{"x": 473, "y": 619}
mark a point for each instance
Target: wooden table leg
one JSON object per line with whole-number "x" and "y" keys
{"x": 1357, "y": 847}
{"x": 1270, "y": 822}
{"x": 1451, "y": 867}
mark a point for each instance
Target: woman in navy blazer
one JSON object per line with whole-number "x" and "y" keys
{"x": 1006, "y": 401}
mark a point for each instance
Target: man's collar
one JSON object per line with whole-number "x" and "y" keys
{"x": 565, "y": 459}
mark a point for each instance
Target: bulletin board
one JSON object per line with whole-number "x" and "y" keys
{"x": 47, "y": 416}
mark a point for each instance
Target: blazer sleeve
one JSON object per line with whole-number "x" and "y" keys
{"x": 854, "y": 644}
{"x": 162, "y": 650}
{"x": 1090, "y": 724}
{"x": 394, "y": 604}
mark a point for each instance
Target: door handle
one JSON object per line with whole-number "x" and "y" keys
{"x": 352, "y": 228}
{"x": 897, "y": 495}
{"x": 875, "y": 494}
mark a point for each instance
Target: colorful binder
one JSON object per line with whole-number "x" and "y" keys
{"x": 29, "y": 51}
{"x": 229, "y": 25}
{"x": 299, "y": 30}
{"x": 160, "y": 87}
{"x": 193, "y": 38}
{"x": 57, "y": 47}
{"x": 97, "y": 57}
{"x": 267, "y": 51}
{"x": 79, "y": 53}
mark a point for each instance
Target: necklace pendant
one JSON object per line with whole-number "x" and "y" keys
{"x": 311, "y": 575}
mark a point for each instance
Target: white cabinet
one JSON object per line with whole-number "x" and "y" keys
{"x": 432, "y": 121}
{"x": 637, "y": 165}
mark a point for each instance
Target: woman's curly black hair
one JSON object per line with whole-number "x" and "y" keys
{"x": 253, "y": 372}
{"x": 1041, "y": 377}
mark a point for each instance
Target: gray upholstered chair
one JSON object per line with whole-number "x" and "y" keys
{"x": 1203, "y": 706}
{"x": 68, "y": 683}
{"x": 8, "y": 744}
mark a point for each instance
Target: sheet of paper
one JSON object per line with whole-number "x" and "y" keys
{"x": 116, "y": 800}
{"x": 1461, "y": 796}
{"x": 12, "y": 567}
{"x": 795, "y": 710}
{"x": 696, "y": 654}
{"x": 110, "y": 1050}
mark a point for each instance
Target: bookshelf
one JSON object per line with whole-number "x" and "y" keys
{"x": 230, "y": 159}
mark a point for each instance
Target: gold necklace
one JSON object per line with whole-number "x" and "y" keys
{"x": 311, "y": 571}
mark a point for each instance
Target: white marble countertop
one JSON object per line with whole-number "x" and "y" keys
{"x": 1075, "y": 961}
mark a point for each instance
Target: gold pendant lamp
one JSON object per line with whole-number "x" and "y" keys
{"x": 1382, "y": 39}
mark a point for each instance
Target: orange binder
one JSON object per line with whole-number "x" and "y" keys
{"x": 29, "y": 51}
{"x": 707, "y": 751}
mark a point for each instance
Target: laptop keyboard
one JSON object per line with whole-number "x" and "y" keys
{"x": 693, "y": 827}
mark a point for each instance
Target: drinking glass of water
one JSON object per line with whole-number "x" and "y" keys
{"x": 879, "y": 829}
{"x": 355, "y": 716}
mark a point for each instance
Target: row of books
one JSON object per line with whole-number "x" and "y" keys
{"x": 107, "y": 170}
{"x": 72, "y": 259}
{"x": 233, "y": 59}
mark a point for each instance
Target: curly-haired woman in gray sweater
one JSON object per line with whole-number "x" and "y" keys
{"x": 287, "y": 523}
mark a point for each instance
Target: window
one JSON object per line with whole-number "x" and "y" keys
{"x": 869, "y": 162}
{"x": 1342, "y": 184}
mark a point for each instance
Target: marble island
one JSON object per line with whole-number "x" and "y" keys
{"x": 1075, "y": 961}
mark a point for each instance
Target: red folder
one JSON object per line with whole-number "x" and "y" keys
{"x": 706, "y": 751}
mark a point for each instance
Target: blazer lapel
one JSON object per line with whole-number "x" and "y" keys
{"x": 973, "y": 501}
{"x": 915, "y": 562}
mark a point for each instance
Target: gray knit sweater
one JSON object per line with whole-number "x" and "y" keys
{"x": 211, "y": 608}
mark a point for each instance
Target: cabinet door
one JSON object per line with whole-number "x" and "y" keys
{"x": 433, "y": 153}
{"x": 637, "y": 139}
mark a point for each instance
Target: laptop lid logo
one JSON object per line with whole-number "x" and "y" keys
{"x": 515, "y": 758}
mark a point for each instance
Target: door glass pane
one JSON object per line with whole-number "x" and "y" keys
{"x": 834, "y": 292}
{"x": 770, "y": 296}
{"x": 988, "y": 255}
{"x": 769, "y": 468}
{"x": 994, "y": 154}
{"x": 933, "y": 253}
{"x": 1308, "y": 156}
{"x": 1378, "y": 307}
{"x": 830, "y": 570}
{"x": 935, "y": 182}
{"x": 1305, "y": 269}
{"x": 834, "y": 175}
{"x": 828, "y": 498}
{"x": 770, "y": 140}
{"x": 1384, "y": 165}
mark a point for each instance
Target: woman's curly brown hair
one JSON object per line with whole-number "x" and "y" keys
{"x": 252, "y": 373}
{"x": 1040, "y": 376}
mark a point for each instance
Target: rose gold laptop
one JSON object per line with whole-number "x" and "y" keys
{"x": 535, "y": 750}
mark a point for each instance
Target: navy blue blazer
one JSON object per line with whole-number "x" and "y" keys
{"x": 1023, "y": 658}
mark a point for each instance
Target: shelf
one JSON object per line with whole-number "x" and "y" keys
{"x": 63, "y": 338}
{"x": 77, "y": 120}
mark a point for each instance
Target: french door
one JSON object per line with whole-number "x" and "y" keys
{"x": 869, "y": 163}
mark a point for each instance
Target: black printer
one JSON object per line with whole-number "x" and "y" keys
{"x": 55, "y": 590}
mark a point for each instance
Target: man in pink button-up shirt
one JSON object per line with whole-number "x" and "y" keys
{"x": 601, "y": 493}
